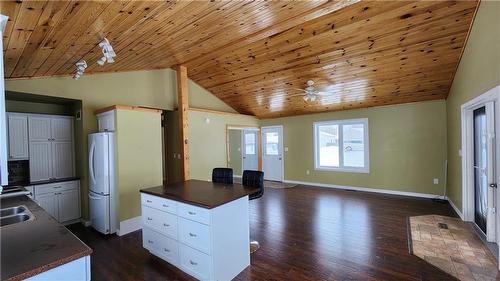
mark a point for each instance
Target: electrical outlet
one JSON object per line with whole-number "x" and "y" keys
{"x": 436, "y": 181}
{"x": 307, "y": 172}
{"x": 286, "y": 148}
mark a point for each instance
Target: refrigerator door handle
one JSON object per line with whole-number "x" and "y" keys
{"x": 95, "y": 198}
{"x": 91, "y": 162}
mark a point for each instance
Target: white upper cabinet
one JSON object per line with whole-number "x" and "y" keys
{"x": 62, "y": 128}
{"x": 18, "y": 136}
{"x": 40, "y": 160}
{"x": 51, "y": 147}
{"x": 106, "y": 121}
{"x": 62, "y": 159}
{"x": 39, "y": 128}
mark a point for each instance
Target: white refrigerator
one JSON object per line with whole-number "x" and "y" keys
{"x": 102, "y": 182}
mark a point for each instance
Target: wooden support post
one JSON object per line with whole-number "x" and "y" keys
{"x": 183, "y": 106}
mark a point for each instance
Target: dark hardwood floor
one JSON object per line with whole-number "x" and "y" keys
{"x": 305, "y": 233}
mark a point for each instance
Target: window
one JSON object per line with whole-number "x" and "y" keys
{"x": 250, "y": 143}
{"x": 341, "y": 145}
{"x": 272, "y": 143}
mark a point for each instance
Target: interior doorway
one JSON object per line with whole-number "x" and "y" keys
{"x": 480, "y": 158}
{"x": 243, "y": 149}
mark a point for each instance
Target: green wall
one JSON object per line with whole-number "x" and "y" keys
{"x": 479, "y": 71}
{"x": 234, "y": 146}
{"x": 407, "y": 147}
{"x": 207, "y": 142}
{"x": 139, "y": 159}
{"x": 155, "y": 88}
{"x": 37, "y": 107}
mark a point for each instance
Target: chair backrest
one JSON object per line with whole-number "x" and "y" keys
{"x": 222, "y": 175}
{"x": 254, "y": 179}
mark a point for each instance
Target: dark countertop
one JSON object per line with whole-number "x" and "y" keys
{"x": 41, "y": 182}
{"x": 32, "y": 247}
{"x": 204, "y": 194}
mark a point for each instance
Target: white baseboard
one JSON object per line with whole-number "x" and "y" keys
{"x": 129, "y": 225}
{"x": 366, "y": 189}
{"x": 455, "y": 208}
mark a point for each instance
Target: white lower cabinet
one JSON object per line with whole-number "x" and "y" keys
{"x": 61, "y": 200}
{"x": 208, "y": 244}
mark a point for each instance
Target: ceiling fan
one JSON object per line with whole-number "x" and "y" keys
{"x": 311, "y": 93}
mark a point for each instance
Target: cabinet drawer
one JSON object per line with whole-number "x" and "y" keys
{"x": 169, "y": 249}
{"x": 159, "y": 203}
{"x": 194, "y": 262}
{"x": 151, "y": 240}
{"x": 195, "y": 234}
{"x": 55, "y": 187}
{"x": 162, "y": 222}
{"x": 193, "y": 213}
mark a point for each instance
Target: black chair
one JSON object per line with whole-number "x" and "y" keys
{"x": 222, "y": 175}
{"x": 254, "y": 179}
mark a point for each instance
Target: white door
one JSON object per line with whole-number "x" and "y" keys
{"x": 99, "y": 212}
{"x": 61, "y": 128}
{"x": 272, "y": 153}
{"x": 68, "y": 205}
{"x": 99, "y": 170}
{"x": 18, "y": 136}
{"x": 40, "y": 160}
{"x": 39, "y": 128}
{"x": 250, "y": 150}
{"x": 62, "y": 159}
{"x": 48, "y": 202}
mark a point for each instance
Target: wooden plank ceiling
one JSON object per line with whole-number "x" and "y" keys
{"x": 253, "y": 54}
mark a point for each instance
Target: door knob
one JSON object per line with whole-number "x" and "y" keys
{"x": 494, "y": 185}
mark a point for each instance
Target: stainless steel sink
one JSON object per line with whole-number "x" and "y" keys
{"x": 12, "y": 211}
{"x": 14, "y": 219}
{"x": 15, "y": 215}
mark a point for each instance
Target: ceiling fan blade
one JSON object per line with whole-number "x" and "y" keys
{"x": 323, "y": 94}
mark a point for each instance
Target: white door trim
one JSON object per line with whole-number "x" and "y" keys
{"x": 281, "y": 148}
{"x": 493, "y": 95}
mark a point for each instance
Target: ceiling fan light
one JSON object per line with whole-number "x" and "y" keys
{"x": 101, "y": 61}
{"x": 110, "y": 60}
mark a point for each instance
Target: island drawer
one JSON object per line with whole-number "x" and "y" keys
{"x": 159, "y": 203}
{"x": 162, "y": 222}
{"x": 161, "y": 245}
{"x": 193, "y": 213}
{"x": 195, "y": 234}
{"x": 194, "y": 262}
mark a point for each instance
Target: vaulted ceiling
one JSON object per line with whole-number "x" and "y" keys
{"x": 254, "y": 54}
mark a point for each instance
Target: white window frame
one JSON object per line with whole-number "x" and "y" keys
{"x": 342, "y": 168}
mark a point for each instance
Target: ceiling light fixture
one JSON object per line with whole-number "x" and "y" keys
{"x": 107, "y": 51}
{"x": 81, "y": 65}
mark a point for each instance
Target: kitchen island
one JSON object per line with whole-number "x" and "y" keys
{"x": 198, "y": 226}
{"x": 40, "y": 248}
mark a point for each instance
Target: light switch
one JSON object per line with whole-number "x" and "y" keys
{"x": 286, "y": 148}
{"x": 436, "y": 181}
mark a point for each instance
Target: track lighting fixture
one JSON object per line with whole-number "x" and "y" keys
{"x": 81, "y": 65}
{"x": 107, "y": 51}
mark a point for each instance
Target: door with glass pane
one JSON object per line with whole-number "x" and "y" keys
{"x": 250, "y": 150}
{"x": 484, "y": 170}
{"x": 272, "y": 153}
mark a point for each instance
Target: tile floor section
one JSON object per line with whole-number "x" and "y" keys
{"x": 456, "y": 250}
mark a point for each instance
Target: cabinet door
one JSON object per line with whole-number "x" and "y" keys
{"x": 39, "y": 128}
{"x": 68, "y": 202}
{"x": 40, "y": 161}
{"x": 62, "y": 159}
{"x": 62, "y": 128}
{"x": 18, "y": 136}
{"x": 106, "y": 121}
{"x": 48, "y": 202}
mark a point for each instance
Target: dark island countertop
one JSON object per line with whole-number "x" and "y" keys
{"x": 33, "y": 247}
{"x": 204, "y": 194}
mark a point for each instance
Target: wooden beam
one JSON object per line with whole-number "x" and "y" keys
{"x": 183, "y": 106}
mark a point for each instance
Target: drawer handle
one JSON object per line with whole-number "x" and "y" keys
{"x": 57, "y": 186}
{"x": 149, "y": 201}
{"x": 166, "y": 224}
{"x": 166, "y": 250}
{"x": 192, "y": 213}
{"x": 150, "y": 241}
{"x": 165, "y": 205}
{"x": 192, "y": 234}
{"x": 192, "y": 262}
{"x": 150, "y": 219}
